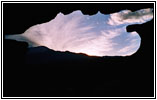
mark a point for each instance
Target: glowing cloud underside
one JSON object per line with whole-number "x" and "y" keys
{"x": 99, "y": 34}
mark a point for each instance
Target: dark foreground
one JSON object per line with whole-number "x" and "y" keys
{"x": 39, "y": 72}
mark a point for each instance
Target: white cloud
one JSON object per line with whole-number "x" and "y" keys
{"x": 75, "y": 33}
{"x": 128, "y": 17}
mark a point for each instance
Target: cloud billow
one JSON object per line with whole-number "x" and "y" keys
{"x": 128, "y": 17}
{"x": 98, "y": 35}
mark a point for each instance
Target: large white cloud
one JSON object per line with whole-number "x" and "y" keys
{"x": 97, "y": 35}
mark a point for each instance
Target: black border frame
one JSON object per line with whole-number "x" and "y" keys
{"x": 78, "y": 97}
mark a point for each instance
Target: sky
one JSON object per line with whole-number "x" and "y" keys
{"x": 94, "y": 35}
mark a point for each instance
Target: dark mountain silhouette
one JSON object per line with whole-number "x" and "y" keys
{"x": 41, "y": 72}
{"x": 43, "y": 55}
{"x": 68, "y": 71}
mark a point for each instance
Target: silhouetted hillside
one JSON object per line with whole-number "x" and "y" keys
{"x": 44, "y": 55}
{"x": 60, "y": 73}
